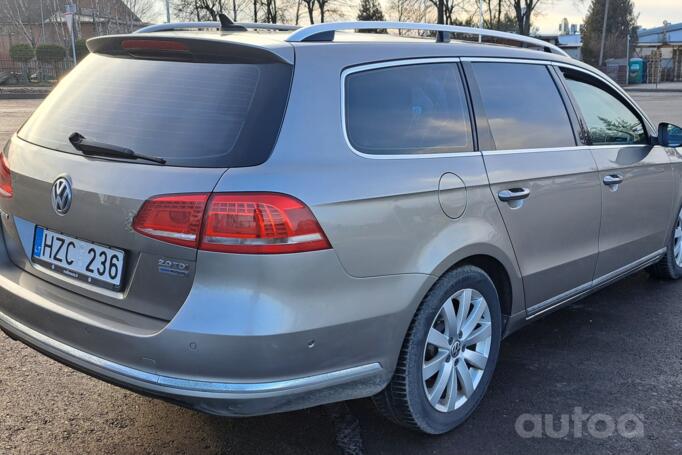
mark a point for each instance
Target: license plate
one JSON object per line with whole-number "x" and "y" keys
{"x": 79, "y": 259}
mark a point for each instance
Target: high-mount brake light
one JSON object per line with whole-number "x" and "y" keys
{"x": 153, "y": 45}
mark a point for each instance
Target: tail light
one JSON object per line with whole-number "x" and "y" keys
{"x": 247, "y": 223}
{"x": 173, "y": 219}
{"x": 260, "y": 223}
{"x": 6, "y": 189}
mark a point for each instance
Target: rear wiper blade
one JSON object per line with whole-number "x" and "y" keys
{"x": 93, "y": 148}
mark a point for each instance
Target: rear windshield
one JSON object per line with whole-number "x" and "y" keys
{"x": 190, "y": 114}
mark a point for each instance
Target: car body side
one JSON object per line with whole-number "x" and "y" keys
{"x": 268, "y": 319}
{"x": 389, "y": 221}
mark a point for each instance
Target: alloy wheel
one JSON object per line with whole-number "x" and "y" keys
{"x": 457, "y": 349}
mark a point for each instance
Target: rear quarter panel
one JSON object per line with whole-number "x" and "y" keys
{"x": 382, "y": 216}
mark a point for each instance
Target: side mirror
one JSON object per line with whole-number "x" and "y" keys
{"x": 669, "y": 135}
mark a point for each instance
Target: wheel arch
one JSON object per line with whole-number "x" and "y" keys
{"x": 499, "y": 266}
{"x": 502, "y": 270}
{"x": 497, "y": 273}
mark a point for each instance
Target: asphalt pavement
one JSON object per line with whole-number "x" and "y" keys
{"x": 610, "y": 366}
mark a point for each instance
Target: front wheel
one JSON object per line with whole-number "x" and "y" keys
{"x": 448, "y": 356}
{"x": 670, "y": 265}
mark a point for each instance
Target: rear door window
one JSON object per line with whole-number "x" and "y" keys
{"x": 190, "y": 114}
{"x": 523, "y": 106}
{"x": 410, "y": 109}
{"x": 608, "y": 120}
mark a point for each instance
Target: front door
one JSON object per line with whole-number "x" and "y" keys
{"x": 636, "y": 178}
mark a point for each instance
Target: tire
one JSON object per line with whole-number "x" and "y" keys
{"x": 405, "y": 400}
{"x": 670, "y": 265}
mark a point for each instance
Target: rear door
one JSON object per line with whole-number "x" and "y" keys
{"x": 199, "y": 118}
{"x": 545, "y": 185}
{"x": 636, "y": 177}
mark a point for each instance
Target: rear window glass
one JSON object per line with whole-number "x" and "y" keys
{"x": 408, "y": 110}
{"x": 190, "y": 114}
{"x": 523, "y": 106}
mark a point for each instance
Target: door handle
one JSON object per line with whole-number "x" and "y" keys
{"x": 613, "y": 179}
{"x": 513, "y": 194}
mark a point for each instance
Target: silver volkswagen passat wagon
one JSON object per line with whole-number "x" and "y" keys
{"x": 248, "y": 219}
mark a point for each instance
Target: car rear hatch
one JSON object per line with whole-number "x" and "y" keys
{"x": 188, "y": 106}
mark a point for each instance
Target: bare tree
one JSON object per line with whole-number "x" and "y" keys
{"x": 310, "y": 7}
{"x": 288, "y": 11}
{"x": 113, "y": 16}
{"x": 269, "y": 11}
{"x": 493, "y": 12}
{"x": 270, "y": 7}
{"x": 524, "y": 10}
{"x": 322, "y": 6}
{"x": 141, "y": 9}
{"x": 298, "y": 11}
{"x": 406, "y": 11}
{"x": 18, "y": 12}
{"x": 203, "y": 10}
{"x": 446, "y": 10}
{"x": 497, "y": 14}
{"x": 335, "y": 9}
{"x": 53, "y": 15}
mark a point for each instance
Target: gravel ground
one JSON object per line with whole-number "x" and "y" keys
{"x": 618, "y": 352}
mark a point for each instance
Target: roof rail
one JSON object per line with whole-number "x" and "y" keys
{"x": 325, "y": 32}
{"x": 213, "y": 25}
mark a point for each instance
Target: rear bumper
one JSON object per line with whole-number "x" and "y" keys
{"x": 238, "y": 352}
{"x": 223, "y": 398}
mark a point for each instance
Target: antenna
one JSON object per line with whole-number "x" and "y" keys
{"x": 227, "y": 24}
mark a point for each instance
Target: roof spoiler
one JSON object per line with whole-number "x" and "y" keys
{"x": 195, "y": 49}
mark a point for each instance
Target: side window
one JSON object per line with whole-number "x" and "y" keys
{"x": 412, "y": 109}
{"x": 609, "y": 120}
{"x": 523, "y": 106}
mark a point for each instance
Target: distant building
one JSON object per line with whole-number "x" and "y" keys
{"x": 664, "y": 43}
{"x": 568, "y": 39}
{"x": 564, "y": 28}
{"x": 667, "y": 34}
{"x": 572, "y": 44}
{"x": 46, "y": 26}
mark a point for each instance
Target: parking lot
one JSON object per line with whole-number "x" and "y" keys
{"x": 616, "y": 353}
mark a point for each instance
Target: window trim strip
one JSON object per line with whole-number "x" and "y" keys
{"x": 412, "y": 61}
{"x": 395, "y": 63}
{"x": 558, "y": 149}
